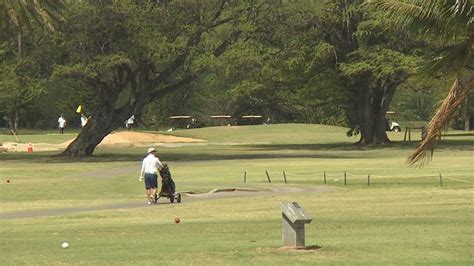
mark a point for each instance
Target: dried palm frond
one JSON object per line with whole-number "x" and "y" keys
{"x": 440, "y": 121}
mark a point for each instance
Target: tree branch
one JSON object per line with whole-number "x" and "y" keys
{"x": 172, "y": 87}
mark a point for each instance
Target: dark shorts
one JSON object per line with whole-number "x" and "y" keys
{"x": 151, "y": 181}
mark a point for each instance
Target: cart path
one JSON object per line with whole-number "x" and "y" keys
{"x": 220, "y": 194}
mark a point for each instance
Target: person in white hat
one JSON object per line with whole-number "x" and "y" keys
{"x": 150, "y": 167}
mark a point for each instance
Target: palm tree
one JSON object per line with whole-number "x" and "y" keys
{"x": 21, "y": 13}
{"x": 451, "y": 24}
{"x": 20, "y": 16}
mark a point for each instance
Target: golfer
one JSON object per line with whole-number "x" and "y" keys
{"x": 150, "y": 167}
{"x": 84, "y": 120}
{"x": 61, "y": 123}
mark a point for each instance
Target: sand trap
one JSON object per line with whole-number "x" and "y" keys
{"x": 142, "y": 137}
{"x": 122, "y": 138}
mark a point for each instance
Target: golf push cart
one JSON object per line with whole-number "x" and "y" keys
{"x": 165, "y": 193}
{"x": 168, "y": 187}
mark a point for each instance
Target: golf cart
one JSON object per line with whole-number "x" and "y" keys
{"x": 250, "y": 120}
{"x": 183, "y": 121}
{"x": 391, "y": 125}
{"x": 221, "y": 120}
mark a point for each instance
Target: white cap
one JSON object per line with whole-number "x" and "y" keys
{"x": 151, "y": 150}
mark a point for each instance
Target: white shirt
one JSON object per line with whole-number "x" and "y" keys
{"x": 150, "y": 165}
{"x": 62, "y": 122}
{"x": 83, "y": 121}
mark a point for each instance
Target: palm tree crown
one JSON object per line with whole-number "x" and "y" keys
{"x": 21, "y": 14}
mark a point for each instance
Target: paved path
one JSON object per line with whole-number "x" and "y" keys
{"x": 218, "y": 194}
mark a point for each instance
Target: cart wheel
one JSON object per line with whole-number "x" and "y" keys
{"x": 178, "y": 198}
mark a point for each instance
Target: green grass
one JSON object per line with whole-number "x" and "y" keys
{"x": 388, "y": 226}
{"x": 269, "y": 134}
{"x": 403, "y": 217}
{"x": 25, "y": 136}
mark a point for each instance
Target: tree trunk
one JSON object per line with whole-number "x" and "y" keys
{"x": 16, "y": 120}
{"x": 374, "y": 105}
{"x": 366, "y": 122}
{"x": 372, "y": 127}
{"x": 467, "y": 117}
{"x": 20, "y": 43}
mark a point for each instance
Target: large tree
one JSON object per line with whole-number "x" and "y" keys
{"x": 130, "y": 54}
{"x": 373, "y": 61}
{"x": 449, "y": 24}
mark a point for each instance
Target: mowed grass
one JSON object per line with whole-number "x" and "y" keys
{"x": 43, "y": 136}
{"x": 405, "y": 216}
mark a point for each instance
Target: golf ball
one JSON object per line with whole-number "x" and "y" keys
{"x": 65, "y": 245}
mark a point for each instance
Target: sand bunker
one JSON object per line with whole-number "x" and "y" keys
{"x": 122, "y": 138}
{"x": 142, "y": 137}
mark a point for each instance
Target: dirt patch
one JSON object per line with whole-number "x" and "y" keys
{"x": 3, "y": 149}
{"x": 142, "y": 137}
{"x": 125, "y": 138}
{"x": 23, "y": 147}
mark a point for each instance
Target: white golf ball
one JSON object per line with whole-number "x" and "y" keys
{"x": 65, "y": 245}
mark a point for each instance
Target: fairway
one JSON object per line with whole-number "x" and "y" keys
{"x": 368, "y": 206}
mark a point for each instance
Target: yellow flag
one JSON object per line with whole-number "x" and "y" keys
{"x": 79, "y": 109}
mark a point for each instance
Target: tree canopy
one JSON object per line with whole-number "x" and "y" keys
{"x": 332, "y": 62}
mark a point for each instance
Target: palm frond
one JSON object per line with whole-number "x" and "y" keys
{"x": 462, "y": 11}
{"x": 50, "y": 13}
{"x": 46, "y": 13}
{"x": 445, "y": 18}
{"x": 440, "y": 121}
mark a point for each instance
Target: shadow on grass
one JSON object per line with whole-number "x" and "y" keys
{"x": 458, "y": 135}
{"x": 451, "y": 144}
{"x": 243, "y": 152}
{"x": 165, "y": 156}
{"x": 23, "y": 132}
{"x": 312, "y": 248}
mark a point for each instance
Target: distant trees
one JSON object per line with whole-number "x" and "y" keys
{"x": 285, "y": 68}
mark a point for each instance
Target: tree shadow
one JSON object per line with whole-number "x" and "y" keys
{"x": 245, "y": 152}
{"x": 451, "y": 144}
{"x": 459, "y": 135}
